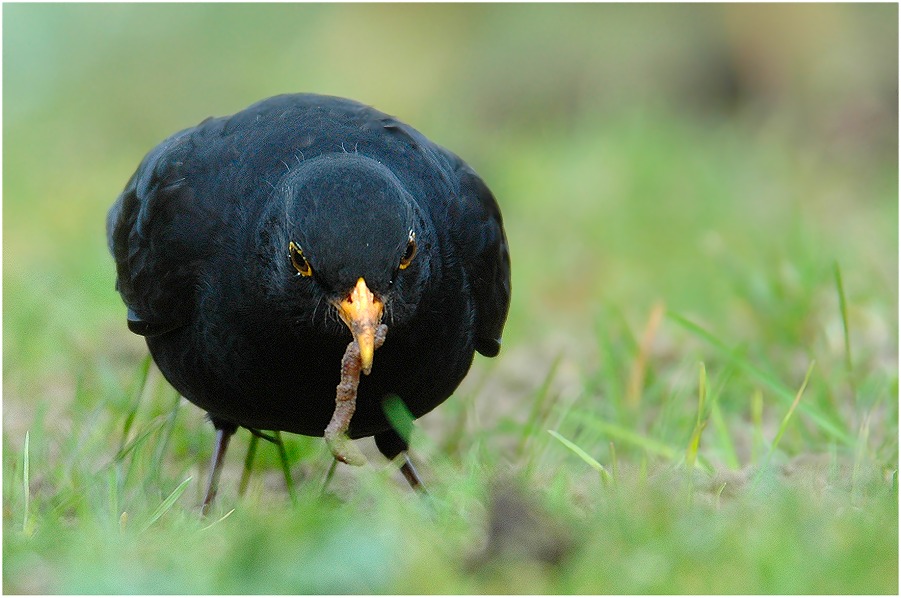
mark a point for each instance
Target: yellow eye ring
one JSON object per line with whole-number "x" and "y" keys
{"x": 300, "y": 262}
{"x": 409, "y": 253}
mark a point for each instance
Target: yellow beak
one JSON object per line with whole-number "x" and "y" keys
{"x": 362, "y": 313}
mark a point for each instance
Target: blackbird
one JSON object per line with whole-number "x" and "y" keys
{"x": 251, "y": 249}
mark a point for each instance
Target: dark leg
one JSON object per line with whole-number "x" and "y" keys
{"x": 265, "y": 437}
{"x": 286, "y": 469}
{"x": 276, "y": 439}
{"x": 224, "y": 433}
{"x": 248, "y": 464}
{"x": 391, "y": 445}
{"x": 410, "y": 473}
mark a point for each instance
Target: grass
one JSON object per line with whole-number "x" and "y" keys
{"x": 698, "y": 390}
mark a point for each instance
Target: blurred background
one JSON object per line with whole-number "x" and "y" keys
{"x": 716, "y": 161}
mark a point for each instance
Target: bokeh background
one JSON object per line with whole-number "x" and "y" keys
{"x": 714, "y": 161}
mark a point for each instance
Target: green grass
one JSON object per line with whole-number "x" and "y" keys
{"x": 698, "y": 390}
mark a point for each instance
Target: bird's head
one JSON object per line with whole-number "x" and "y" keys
{"x": 355, "y": 242}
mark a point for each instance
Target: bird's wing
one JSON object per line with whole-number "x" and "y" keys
{"x": 154, "y": 231}
{"x": 478, "y": 232}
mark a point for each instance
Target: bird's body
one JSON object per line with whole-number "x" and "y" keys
{"x": 237, "y": 240}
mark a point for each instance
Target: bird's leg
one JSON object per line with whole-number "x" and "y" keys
{"x": 391, "y": 444}
{"x": 276, "y": 439}
{"x": 248, "y": 463}
{"x": 286, "y": 469}
{"x": 223, "y": 435}
{"x": 411, "y": 475}
{"x": 265, "y": 437}
{"x": 346, "y": 403}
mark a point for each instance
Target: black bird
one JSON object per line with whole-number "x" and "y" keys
{"x": 251, "y": 249}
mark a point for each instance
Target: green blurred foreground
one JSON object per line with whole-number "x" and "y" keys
{"x": 698, "y": 391}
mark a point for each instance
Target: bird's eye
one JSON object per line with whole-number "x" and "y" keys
{"x": 299, "y": 261}
{"x": 410, "y": 252}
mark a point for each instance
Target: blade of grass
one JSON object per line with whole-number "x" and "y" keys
{"x": 757, "y": 418}
{"x": 726, "y": 444}
{"x": 730, "y": 455}
{"x": 862, "y": 440}
{"x": 451, "y": 445}
{"x": 538, "y": 412}
{"x": 154, "y": 425}
{"x": 783, "y": 426}
{"x": 203, "y": 529}
{"x": 613, "y": 352}
{"x": 670, "y": 406}
{"x": 640, "y": 363}
{"x": 628, "y": 436}
{"x": 165, "y": 436}
{"x": 167, "y": 503}
{"x": 539, "y": 447}
{"x": 26, "y": 483}
{"x": 137, "y": 393}
{"x": 133, "y": 446}
{"x": 719, "y": 493}
{"x": 846, "y": 331}
{"x": 605, "y": 475}
{"x": 691, "y": 452}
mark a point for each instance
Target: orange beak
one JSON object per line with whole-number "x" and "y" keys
{"x": 362, "y": 313}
